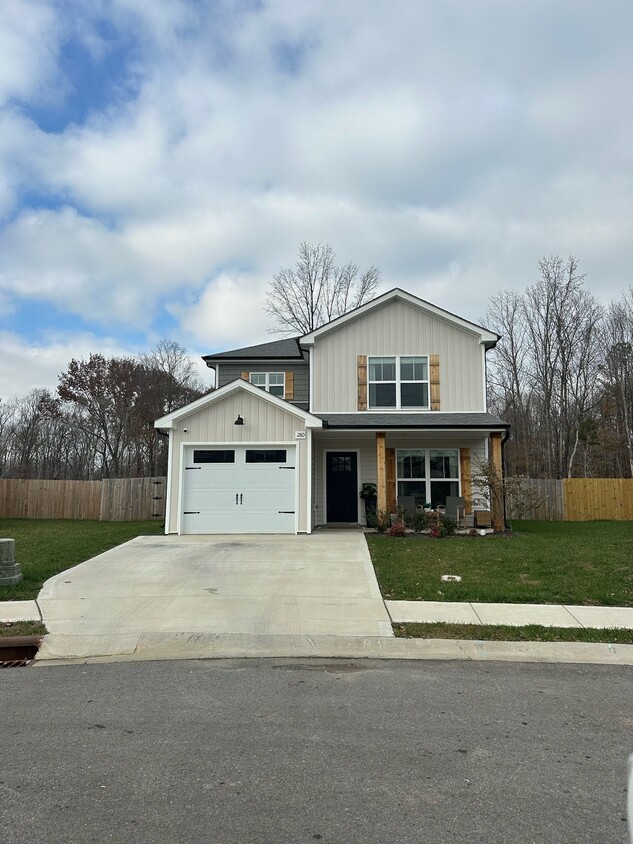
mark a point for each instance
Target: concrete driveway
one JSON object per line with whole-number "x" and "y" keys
{"x": 323, "y": 584}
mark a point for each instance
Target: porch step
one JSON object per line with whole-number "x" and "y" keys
{"x": 342, "y": 526}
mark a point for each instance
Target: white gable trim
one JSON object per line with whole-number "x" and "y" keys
{"x": 168, "y": 422}
{"x": 487, "y": 337}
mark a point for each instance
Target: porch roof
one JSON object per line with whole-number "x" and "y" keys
{"x": 427, "y": 421}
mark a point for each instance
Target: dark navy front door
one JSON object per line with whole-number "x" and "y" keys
{"x": 342, "y": 486}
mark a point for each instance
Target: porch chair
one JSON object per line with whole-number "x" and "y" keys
{"x": 455, "y": 509}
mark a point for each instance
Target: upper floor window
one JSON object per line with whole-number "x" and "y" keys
{"x": 398, "y": 382}
{"x": 272, "y": 382}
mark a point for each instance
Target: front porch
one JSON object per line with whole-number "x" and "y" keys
{"x": 423, "y": 467}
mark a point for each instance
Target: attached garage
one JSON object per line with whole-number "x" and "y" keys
{"x": 239, "y": 489}
{"x": 240, "y": 461}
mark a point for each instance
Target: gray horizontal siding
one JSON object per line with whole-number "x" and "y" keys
{"x": 230, "y": 371}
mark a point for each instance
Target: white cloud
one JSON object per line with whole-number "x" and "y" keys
{"x": 452, "y": 145}
{"x": 28, "y": 366}
{"x": 29, "y": 40}
{"x": 226, "y": 312}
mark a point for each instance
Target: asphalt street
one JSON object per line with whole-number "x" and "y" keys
{"x": 276, "y": 751}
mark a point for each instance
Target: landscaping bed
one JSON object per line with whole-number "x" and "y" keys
{"x": 583, "y": 563}
{"x": 44, "y": 547}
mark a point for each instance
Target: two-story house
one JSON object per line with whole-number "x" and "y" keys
{"x": 392, "y": 393}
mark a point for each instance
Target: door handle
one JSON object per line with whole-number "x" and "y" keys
{"x": 236, "y": 497}
{"x": 240, "y": 497}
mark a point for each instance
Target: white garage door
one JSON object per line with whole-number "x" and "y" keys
{"x": 239, "y": 489}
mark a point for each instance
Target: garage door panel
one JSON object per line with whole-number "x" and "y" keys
{"x": 269, "y": 523}
{"x": 266, "y": 491}
{"x": 205, "y": 477}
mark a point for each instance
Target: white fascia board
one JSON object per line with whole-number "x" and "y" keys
{"x": 165, "y": 423}
{"x": 378, "y": 429}
{"x": 485, "y": 335}
{"x": 249, "y": 361}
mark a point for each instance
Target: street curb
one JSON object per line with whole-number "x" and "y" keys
{"x": 58, "y": 649}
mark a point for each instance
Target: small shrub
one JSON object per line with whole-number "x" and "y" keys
{"x": 443, "y": 527}
{"x": 416, "y": 520}
{"x": 397, "y": 530}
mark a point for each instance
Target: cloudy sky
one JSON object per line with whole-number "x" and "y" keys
{"x": 161, "y": 159}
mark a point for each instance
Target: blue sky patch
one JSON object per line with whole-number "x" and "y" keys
{"x": 91, "y": 83}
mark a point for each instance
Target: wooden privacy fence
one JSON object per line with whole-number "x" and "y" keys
{"x": 580, "y": 499}
{"x": 117, "y": 500}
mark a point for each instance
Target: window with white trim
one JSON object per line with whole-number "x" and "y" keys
{"x": 398, "y": 383}
{"x": 272, "y": 382}
{"x": 429, "y": 475}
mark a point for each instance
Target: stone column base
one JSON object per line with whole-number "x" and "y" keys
{"x": 10, "y": 573}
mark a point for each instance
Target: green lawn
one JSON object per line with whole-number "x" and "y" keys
{"x": 22, "y": 628}
{"x": 543, "y": 563}
{"x": 506, "y": 633}
{"x": 44, "y": 547}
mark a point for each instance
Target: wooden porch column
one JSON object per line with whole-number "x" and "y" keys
{"x": 496, "y": 494}
{"x": 467, "y": 482}
{"x": 381, "y": 473}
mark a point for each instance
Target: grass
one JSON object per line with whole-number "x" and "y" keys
{"x": 22, "y": 628}
{"x": 44, "y": 547}
{"x": 588, "y": 563}
{"x": 506, "y": 633}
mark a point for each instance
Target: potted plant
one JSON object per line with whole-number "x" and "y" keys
{"x": 368, "y": 493}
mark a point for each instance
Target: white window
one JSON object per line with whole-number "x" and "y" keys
{"x": 272, "y": 382}
{"x": 428, "y": 475}
{"x": 400, "y": 383}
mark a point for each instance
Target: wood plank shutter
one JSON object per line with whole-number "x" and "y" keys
{"x": 434, "y": 380}
{"x": 244, "y": 376}
{"x": 466, "y": 476}
{"x": 390, "y": 460}
{"x": 362, "y": 382}
{"x": 289, "y": 386}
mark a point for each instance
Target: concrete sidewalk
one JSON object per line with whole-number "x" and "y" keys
{"x": 453, "y": 612}
{"x": 515, "y": 615}
{"x": 13, "y": 611}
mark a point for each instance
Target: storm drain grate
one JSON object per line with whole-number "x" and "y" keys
{"x": 18, "y": 651}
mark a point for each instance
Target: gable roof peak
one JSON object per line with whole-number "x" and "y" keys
{"x": 489, "y": 338}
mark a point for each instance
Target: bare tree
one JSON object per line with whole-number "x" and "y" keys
{"x": 563, "y": 319}
{"x": 182, "y": 383}
{"x": 544, "y": 373}
{"x": 509, "y": 376}
{"x": 617, "y": 373}
{"x": 316, "y": 291}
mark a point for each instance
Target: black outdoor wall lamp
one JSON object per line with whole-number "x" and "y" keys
{"x": 239, "y": 420}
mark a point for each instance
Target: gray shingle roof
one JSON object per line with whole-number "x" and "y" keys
{"x": 483, "y": 421}
{"x": 286, "y": 348}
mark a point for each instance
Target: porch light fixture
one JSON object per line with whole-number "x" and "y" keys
{"x": 239, "y": 420}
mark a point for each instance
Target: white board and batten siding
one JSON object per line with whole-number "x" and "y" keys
{"x": 265, "y": 426}
{"x": 398, "y": 328}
